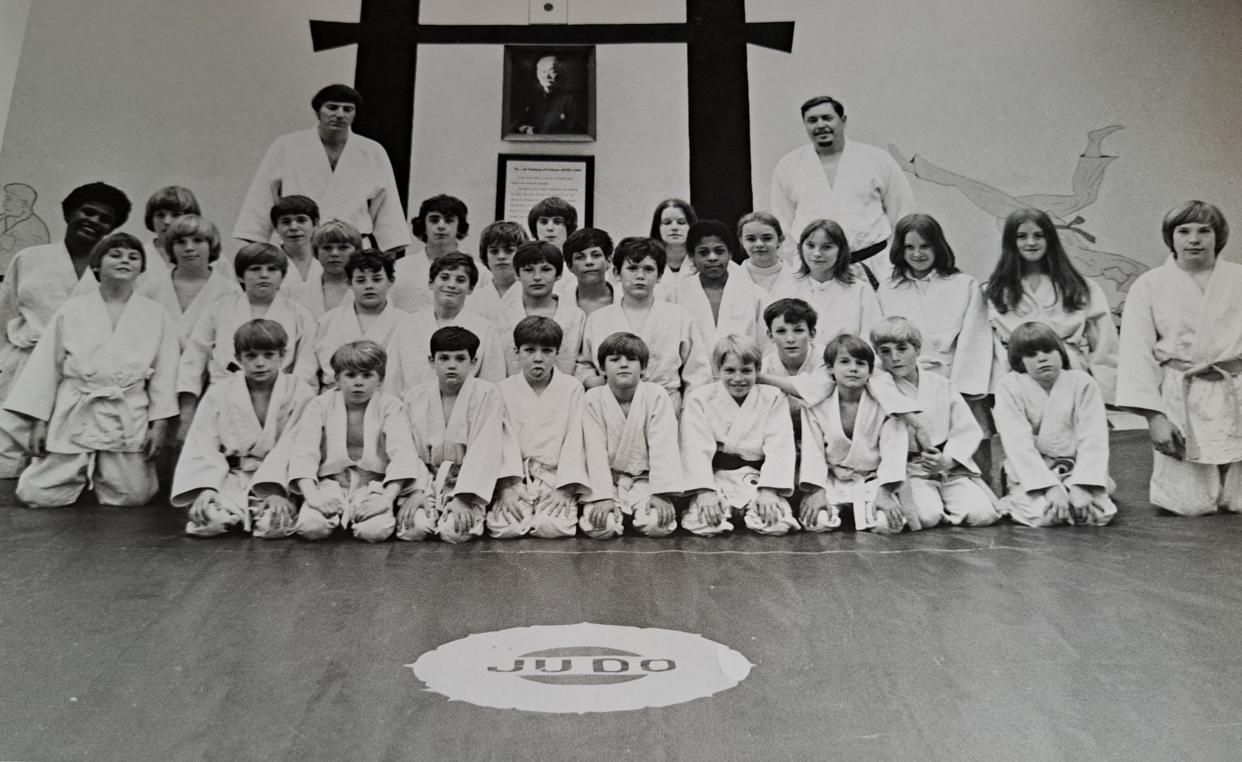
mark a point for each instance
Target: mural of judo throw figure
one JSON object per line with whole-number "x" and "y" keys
{"x": 20, "y": 227}
{"x": 1113, "y": 272}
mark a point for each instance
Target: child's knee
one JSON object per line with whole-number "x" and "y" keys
{"x": 313, "y": 525}
{"x": 375, "y": 529}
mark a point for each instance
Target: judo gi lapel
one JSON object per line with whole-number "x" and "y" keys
{"x": 740, "y": 417}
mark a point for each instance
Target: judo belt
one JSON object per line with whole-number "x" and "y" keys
{"x": 867, "y": 252}
{"x": 1224, "y": 370}
{"x": 727, "y": 461}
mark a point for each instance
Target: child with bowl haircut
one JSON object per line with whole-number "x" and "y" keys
{"x": 163, "y": 208}
{"x": 853, "y": 455}
{"x": 1053, "y": 427}
{"x": 544, "y": 409}
{"x": 208, "y": 354}
{"x": 539, "y": 267}
{"x": 737, "y": 447}
{"x": 351, "y": 455}
{"x": 333, "y": 243}
{"x": 295, "y": 218}
{"x": 498, "y": 243}
{"x": 236, "y": 426}
{"x": 942, "y": 481}
{"x": 367, "y": 314}
{"x": 552, "y": 220}
{"x": 99, "y": 389}
{"x": 194, "y": 284}
{"x": 588, "y": 256}
{"x": 674, "y": 342}
{"x": 458, "y": 422}
{"x": 633, "y": 461}
{"x": 453, "y": 277}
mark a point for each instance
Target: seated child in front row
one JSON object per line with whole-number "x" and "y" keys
{"x": 942, "y": 478}
{"x": 237, "y": 424}
{"x": 544, "y": 408}
{"x": 853, "y": 455}
{"x": 98, "y": 389}
{"x": 460, "y": 434}
{"x": 370, "y": 314}
{"x": 1054, "y": 431}
{"x": 351, "y": 456}
{"x": 633, "y": 462}
{"x": 737, "y": 447}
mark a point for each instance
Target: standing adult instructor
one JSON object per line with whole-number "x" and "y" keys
{"x": 348, "y": 176}
{"x": 857, "y": 185}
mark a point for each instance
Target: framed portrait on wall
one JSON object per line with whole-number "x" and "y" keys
{"x": 549, "y": 93}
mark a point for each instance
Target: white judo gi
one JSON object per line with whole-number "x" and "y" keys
{"x": 944, "y": 422}
{"x": 208, "y": 356}
{"x": 569, "y": 316}
{"x": 340, "y": 325}
{"x": 736, "y": 450}
{"x": 869, "y": 195}
{"x": 741, "y": 308}
{"x": 317, "y": 450}
{"x": 309, "y": 294}
{"x": 950, "y": 314}
{"x": 840, "y": 308}
{"x": 1053, "y": 437}
{"x": 226, "y": 447}
{"x": 1089, "y": 334}
{"x": 411, "y": 287}
{"x": 548, "y": 430}
{"x": 161, "y": 290}
{"x": 851, "y": 470}
{"x": 361, "y": 190}
{"x": 37, "y": 282}
{"x": 409, "y": 346}
{"x": 1181, "y": 355}
{"x": 630, "y": 457}
{"x": 679, "y": 351}
{"x": 466, "y": 455}
{"x": 98, "y": 387}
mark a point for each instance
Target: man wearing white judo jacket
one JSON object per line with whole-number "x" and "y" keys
{"x": 857, "y": 185}
{"x": 349, "y": 176}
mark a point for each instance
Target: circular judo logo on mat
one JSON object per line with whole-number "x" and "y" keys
{"x": 580, "y": 668}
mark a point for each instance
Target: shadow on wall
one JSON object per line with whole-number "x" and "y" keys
{"x": 1114, "y": 272}
{"x": 20, "y": 227}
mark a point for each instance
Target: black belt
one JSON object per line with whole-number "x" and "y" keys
{"x": 867, "y": 252}
{"x": 727, "y": 461}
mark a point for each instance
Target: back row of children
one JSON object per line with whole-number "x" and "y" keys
{"x": 723, "y": 300}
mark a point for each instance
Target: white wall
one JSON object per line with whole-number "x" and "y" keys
{"x": 13, "y": 15}
{"x": 145, "y": 93}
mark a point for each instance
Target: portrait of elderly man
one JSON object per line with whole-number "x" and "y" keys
{"x": 550, "y": 97}
{"x": 349, "y": 176}
{"x": 20, "y": 227}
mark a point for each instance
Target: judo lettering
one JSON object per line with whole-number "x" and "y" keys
{"x": 618, "y": 667}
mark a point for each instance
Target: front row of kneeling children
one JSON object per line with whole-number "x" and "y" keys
{"x": 536, "y": 454}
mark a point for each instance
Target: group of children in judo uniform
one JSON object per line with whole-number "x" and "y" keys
{"x": 577, "y": 386}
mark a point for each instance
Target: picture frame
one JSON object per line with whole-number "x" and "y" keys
{"x": 523, "y": 180}
{"x": 548, "y": 93}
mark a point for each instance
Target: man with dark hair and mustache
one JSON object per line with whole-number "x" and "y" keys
{"x": 857, "y": 185}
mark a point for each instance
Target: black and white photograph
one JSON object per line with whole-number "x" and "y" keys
{"x": 783, "y": 381}
{"x": 549, "y": 93}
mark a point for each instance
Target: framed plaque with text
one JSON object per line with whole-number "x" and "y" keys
{"x": 523, "y": 180}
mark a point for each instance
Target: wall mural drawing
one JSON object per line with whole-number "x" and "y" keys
{"x": 20, "y": 227}
{"x": 1114, "y": 272}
